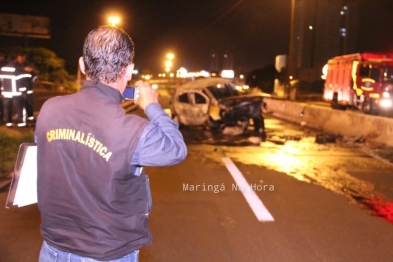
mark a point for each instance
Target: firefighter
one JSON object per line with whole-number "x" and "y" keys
{"x": 27, "y": 94}
{"x": 14, "y": 82}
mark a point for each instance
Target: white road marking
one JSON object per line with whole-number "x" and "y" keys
{"x": 251, "y": 197}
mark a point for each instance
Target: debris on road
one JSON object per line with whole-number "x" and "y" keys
{"x": 276, "y": 140}
{"x": 324, "y": 139}
{"x": 232, "y": 130}
{"x": 256, "y": 140}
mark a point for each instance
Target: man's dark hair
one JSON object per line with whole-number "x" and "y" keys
{"x": 107, "y": 52}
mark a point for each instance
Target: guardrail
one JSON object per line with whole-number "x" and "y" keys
{"x": 309, "y": 97}
{"x": 344, "y": 123}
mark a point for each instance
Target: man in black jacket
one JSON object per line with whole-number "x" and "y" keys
{"x": 93, "y": 195}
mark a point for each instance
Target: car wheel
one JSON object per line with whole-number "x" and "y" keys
{"x": 369, "y": 107}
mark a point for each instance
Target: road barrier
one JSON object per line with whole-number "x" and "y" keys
{"x": 345, "y": 123}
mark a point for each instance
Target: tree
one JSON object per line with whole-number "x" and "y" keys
{"x": 46, "y": 65}
{"x": 262, "y": 78}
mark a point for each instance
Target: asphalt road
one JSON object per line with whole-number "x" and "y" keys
{"x": 311, "y": 222}
{"x": 319, "y": 196}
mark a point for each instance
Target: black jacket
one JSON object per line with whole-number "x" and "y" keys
{"x": 90, "y": 202}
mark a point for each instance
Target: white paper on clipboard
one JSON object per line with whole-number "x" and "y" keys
{"x": 23, "y": 189}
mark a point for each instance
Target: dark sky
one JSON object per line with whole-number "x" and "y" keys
{"x": 254, "y": 31}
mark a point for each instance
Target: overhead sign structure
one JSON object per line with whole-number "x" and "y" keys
{"x": 24, "y": 26}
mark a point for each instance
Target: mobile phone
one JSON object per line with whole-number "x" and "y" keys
{"x": 131, "y": 93}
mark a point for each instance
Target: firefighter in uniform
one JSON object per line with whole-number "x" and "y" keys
{"x": 27, "y": 94}
{"x": 14, "y": 82}
{"x": 29, "y": 97}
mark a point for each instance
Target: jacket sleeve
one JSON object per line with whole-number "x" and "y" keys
{"x": 161, "y": 143}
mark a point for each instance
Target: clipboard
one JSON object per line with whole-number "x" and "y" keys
{"x": 23, "y": 188}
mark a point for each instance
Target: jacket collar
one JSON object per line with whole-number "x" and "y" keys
{"x": 105, "y": 90}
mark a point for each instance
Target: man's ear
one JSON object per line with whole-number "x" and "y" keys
{"x": 82, "y": 65}
{"x": 129, "y": 70}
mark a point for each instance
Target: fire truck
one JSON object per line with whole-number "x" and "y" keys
{"x": 361, "y": 80}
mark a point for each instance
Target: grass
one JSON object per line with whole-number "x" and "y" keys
{"x": 9, "y": 144}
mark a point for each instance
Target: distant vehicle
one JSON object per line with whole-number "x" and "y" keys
{"x": 217, "y": 103}
{"x": 361, "y": 80}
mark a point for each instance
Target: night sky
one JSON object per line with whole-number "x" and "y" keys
{"x": 254, "y": 31}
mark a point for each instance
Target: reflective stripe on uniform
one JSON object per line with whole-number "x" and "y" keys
{"x": 7, "y": 94}
{"x": 8, "y": 76}
{"x": 8, "y": 69}
{"x": 13, "y": 78}
{"x": 22, "y": 76}
{"x": 11, "y": 94}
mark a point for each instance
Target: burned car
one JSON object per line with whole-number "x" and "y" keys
{"x": 216, "y": 104}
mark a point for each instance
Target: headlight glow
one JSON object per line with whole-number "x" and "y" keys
{"x": 385, "y": 103}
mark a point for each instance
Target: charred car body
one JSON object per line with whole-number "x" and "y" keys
{"x": 216, "y": 103}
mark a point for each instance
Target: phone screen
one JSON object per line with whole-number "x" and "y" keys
{"x": 131, "y": 93}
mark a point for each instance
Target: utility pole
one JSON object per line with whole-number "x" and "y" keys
{"x": 291, "y": 43}
{"x": 290, "y": 70}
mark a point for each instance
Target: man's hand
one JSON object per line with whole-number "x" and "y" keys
{"x": 147, "y": 95}
{"x": 28, "y": 69}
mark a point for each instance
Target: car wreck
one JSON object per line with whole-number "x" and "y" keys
{"x": 216, "y": 103}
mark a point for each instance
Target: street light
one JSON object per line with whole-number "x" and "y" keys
{"x": 168, "y": 65}
{"x": 290, "y": 66}
{"x": 168, "y": 61}
{"x": 170, "y": 56}
{"x": 113, "y": 20}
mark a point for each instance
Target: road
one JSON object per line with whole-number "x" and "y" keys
{"x": 307, "y": 202}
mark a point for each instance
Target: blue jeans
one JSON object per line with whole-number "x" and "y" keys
{"x": 52, "y": 254}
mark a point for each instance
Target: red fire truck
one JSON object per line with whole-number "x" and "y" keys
{"x": 361, "y": 80}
